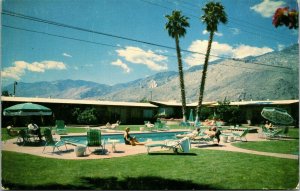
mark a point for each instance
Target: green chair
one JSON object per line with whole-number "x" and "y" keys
{"x": 50, "y": 141}
{"x": 60, "y": 127}
{"x": 241, "y": 135}
{"x": 24, "y": 136}
{"x": 161, "y": 126}
{"x": 284, "y": 133}
{"x": 94, "y": 139}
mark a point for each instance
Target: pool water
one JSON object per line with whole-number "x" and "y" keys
{"x": 141, "y": 137}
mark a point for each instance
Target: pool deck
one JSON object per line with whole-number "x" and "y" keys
{"x": 125, "y": 150}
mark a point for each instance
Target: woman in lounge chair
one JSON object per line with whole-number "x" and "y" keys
{"x": 190, "y": 135}
{"x": 213, "y": 132}
{"x": 129, "y": 140}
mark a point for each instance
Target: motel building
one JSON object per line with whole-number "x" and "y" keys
{"x": 135, "y": 112}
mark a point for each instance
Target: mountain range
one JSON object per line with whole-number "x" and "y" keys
{"x": 270, "y": 76}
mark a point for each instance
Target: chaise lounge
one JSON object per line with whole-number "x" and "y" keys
{"x": 183, "y": 144}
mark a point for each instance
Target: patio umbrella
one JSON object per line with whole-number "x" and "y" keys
{"x": 277, "y": 115}
{"x": 191, "y": 117}
{"x": 27, "y": 109}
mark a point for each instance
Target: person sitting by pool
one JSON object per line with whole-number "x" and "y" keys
{"x": 213, "y": 132}
{"x": 129, "y": 140}
{"x": 269, "y": 125}
{"x": 35, "y": 130}
{"x": 190, "y": 135}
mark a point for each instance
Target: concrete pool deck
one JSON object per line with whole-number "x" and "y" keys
{"x": 125, "y": 150}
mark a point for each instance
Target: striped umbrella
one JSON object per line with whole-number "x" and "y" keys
{"x": 277, "y": 115}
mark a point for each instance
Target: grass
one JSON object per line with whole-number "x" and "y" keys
{"x": 274, "y": 146}
{"x": 201, "y": 169}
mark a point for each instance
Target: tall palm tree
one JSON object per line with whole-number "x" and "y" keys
{"x": 176, "y": 28}
{"x": 213, "y": 14}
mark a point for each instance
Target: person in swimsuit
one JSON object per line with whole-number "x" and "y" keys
{"x": 129, "y": 140}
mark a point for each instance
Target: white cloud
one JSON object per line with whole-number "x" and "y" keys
{"x": 235, "y": 31}
{"x": 137, "y": 55}
{"x": 221, "y": 50}
{"x": 67, "y": 55}
{"x": 267, "y": 7}
{"x": 215, "y": 33}
{"x": 243, "y": 51}
{"x": 20, "y": 67}
{"x": 122, "y": 65}
{"x": 201, "y": 46}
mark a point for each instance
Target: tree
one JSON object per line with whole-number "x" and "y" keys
{"x": 213, "y": 14}
{"x": 176, "y": 28}
{"x": 284, "y": 16}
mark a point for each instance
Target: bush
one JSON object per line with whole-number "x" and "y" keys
{"x": 228, "y": 113}
{"x": 88, "y": 116}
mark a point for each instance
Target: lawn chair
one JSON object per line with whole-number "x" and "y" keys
{"x": 161, "y": 126}
{"x": 284, "y": 133}
{"x": 94, "y": 139}
{"x": 24, "y": 136}
{"x": 60, "y": 127}
{"x": 275, "y": 134}
{"x": 13, "y": 133}
{"x": 241, "y": 135}
{"x": 183, "y": 144}
{"x": 50, "y": 141}
{"x": 149, "y": 125}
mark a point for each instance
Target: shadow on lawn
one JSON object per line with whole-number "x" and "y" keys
{"x": 113, "y": 183}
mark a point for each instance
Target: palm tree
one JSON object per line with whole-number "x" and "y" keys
{"x": 176, "y": 28}
{"x": 213, "y": 14}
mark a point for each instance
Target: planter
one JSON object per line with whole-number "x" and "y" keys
{"x": 79, "y": 151}
{"x": 224, "y": 139}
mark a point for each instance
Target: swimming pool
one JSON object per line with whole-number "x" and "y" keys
{"x": 142, "y": 137}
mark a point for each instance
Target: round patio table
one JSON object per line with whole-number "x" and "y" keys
{"x": 113, "y": 144}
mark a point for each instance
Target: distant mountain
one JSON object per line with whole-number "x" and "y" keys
{"x": 270, "y": 76}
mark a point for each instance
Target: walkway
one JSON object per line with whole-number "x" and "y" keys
{"x": 125, "y": 150}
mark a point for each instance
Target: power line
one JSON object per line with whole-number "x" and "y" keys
{"x": 194, "y": 16}
{"x": 238, "y": 21}
{"x": 109, "y": 45}
{"x": 9, "y": 13}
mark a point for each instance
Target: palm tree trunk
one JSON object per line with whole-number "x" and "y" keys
{"x": 181, "y": 79}
{"x": 202, "y": 85}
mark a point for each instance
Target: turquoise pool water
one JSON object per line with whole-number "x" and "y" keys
{"x": 142, "y": 137}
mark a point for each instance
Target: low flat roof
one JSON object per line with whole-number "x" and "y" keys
{"x": 173, "y": 103}
{"x": 75, "y": 101}
{"x": 263, "y": 102}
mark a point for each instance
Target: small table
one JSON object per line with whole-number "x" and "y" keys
{"x": 113, "y": 144}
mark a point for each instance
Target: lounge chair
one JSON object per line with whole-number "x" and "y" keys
{"x": 149, "y": 125}
{"x": 161, "y": 126}
{"x": 241, "y": 135}
{"x": 115, "y": 125}
{"x": 183, "y": 144}
{"x": 275, "y": 134}
{"x": 50, "y": 141}
{"x": 94, "y": 139}
{"x": 204, "y": 137}
{"x": 24, "y": 136}
{"x": 265, "y": 132}
{"x": 284, "y": 132}
{"x": 60, "y": 127}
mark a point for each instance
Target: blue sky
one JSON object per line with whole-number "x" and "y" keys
{"x": 30, "y": 56}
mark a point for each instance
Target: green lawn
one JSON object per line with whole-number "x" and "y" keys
{"x": 201, "y": 169}
{"x": 274, "y": 146}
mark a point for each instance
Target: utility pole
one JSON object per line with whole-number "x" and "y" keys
{"x": 15, "y": 84}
